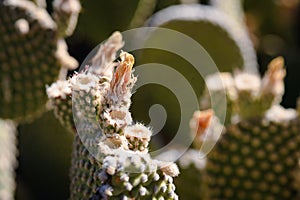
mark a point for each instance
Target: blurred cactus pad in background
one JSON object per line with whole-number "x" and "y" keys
{"x": 46, "y": 106}
{"x": 32, "y": 54}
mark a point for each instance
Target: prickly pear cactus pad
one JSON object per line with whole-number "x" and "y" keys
{"x": 211, "y": 28}
{"x": 257, "y": 159}
{"x": 257, "y": 156}
{"x": 31, "y": 56}
{"x": 110, "y": 159}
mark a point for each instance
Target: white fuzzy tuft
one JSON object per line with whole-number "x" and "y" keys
{"x": 170, "y": 169}
{"x": 59, "y": 89}
{"x": 279, "y": 114}
{"x": 248, "y": 82}
{"x": 22, "y": 26}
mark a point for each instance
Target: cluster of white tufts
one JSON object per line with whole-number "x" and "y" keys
{"x": 272, "y": 82}
{"x": 248, "y": 95}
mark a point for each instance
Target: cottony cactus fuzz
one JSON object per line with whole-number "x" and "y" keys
{"x": 257, "y": 154}
{"x": 31, "y": 55}
{"x": 121, "y": 167}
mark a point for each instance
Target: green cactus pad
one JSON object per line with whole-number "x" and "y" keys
{"x": 255, "y": 159}
{"x": 28, "y": 58}
{"x": 212, "y": 29}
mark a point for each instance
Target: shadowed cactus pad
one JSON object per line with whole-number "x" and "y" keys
{"x": 31, "y": 56}
{"x": 211, "y": 28}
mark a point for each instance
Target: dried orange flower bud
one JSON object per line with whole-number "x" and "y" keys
{"x": 122, "y": 78}
{"x": 200, "y": 122}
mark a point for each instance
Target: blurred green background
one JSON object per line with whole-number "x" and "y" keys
{"x": 45, "y": 147}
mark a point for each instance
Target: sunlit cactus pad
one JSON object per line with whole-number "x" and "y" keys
{"x": 30, "y": 58}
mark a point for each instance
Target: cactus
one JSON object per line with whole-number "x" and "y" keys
{"x": 192, "y": 163}
{"x": 190, "y": 183}
{"x": 8, "y": 159}
{"x": 60, "y": 101}
{"x": 210, "y": 27}
{"x": 257, "y": 159}
{"x": 122, "y": 166}
{"x": 144, "y": 10}
{"x": 257, "y": 154}
{"x": 31, "y": 55}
